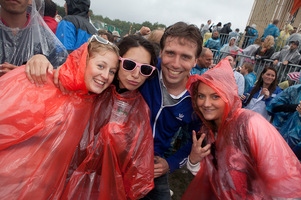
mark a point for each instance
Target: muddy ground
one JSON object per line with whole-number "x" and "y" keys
{"x": 179, "y": 181}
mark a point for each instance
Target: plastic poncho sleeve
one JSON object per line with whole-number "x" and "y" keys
{"x": 281, "y": 172}
{"x": 39, "y": 131}
{"x": 118, "y": 160}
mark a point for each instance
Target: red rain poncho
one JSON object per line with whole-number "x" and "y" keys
{"x": 253, "y": 160}
{"x": 115, "y": 158}
{"x": 40, "y": 129}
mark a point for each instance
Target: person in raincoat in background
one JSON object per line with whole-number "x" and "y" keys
{"x": 286, "y": 108}
{"x": 260, "y": 95}
{"x": 40, "y": 127}
{"x": 23, "y": 33}
{"x": 244, "y": 156}
{"x": 115, "y": 158}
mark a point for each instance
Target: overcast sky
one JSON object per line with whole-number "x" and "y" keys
{"x": 170, "y": 11}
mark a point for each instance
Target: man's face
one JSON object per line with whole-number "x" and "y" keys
{"x": 14, "y": 7}
{"x": 293, "y": 46}
{"x": 243, "y": 70}
{"x": 205, "y": 61}
{"x": 231, "y": 60}
{"x": 215, "y": 34}
{"x": 177, "y": 59}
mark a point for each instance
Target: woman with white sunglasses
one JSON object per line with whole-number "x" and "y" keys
{"x": 115, "y": 158}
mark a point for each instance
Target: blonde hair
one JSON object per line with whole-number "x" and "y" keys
{"x": 95, "y": 47}
{"x": 268, "y": 42}
{"x": 155, "y": 36}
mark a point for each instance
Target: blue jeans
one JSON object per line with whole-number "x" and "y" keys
{"x": 161, "y": 190}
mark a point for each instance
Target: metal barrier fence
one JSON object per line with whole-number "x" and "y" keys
{"x": 244, "y": 41}
{"x": 282, "y": 70}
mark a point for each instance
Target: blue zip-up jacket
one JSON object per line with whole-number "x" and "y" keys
{"x": 166, "y": 121}
{"x": 75, "y": 29}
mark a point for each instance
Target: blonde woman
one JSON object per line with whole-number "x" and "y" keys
{"x": 41, "y": 127}
{"x": 267, "y": 48}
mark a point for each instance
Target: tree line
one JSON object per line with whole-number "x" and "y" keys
{"x": 124, "y": 27}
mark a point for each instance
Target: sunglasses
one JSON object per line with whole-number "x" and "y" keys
{"x": 100, "y": 40}
{"x": 130, "y": 65}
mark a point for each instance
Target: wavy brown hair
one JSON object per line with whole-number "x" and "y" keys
{"x": 259, "y": 84}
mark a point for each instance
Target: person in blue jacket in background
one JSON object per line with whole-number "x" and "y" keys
{"x": 286, "y": 108}
{"x": 75, "y": 28}
{"x": 272, "y": 30}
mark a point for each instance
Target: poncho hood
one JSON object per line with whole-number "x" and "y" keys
{"x": 222, "y": 80}
{"x": 72, "y": 72}
{"x": 78, "y": 7}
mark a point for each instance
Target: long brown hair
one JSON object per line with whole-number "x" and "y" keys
{"x": 259, "y": 84}
{"x": 196, "y": 109}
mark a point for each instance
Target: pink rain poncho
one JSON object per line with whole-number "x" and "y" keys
{"x": 252, "y": 159}
{"x": 115, "y": 159}
{"x": 40, "y": 129}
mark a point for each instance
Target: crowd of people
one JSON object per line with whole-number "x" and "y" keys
{"x": 95, "y": 115}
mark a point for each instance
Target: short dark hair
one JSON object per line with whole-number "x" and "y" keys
{"x": 50, "y": 8}
{"x": 249, "y": 67}
{"x": 275, "y": 21}
{"x": 185, "y": 31}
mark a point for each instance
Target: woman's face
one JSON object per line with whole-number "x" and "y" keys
{"x": 210, "y": 104}
{"x": 100, "y": 71}
{"x": 268, "y": 77}
{"x": 132, "y": 80}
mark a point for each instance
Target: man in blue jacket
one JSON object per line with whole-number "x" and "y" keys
{"x": 170, "y": 102}
{"x": 272, "y": 30}
{"x": 75, "y": 29}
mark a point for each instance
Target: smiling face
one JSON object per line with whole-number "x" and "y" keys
{"x": 132, "y": 80}
{"x": 268, "y": 77}
{"x": 177, "y": 59}
{"x": 210, "y": 104}
{"x": 100, "y": 71}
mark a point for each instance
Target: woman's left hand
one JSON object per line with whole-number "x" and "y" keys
{"x": 266, "y": 93}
